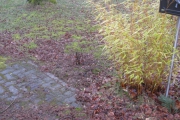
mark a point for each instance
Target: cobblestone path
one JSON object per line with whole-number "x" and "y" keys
{"x": 25, "y": 82}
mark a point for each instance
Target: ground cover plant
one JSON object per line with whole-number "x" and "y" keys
{"x": 63, "y": 39}
{"x": 138, "y": 42}
{"x": 2, "y": 62}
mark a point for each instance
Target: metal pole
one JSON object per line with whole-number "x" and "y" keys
{"x": 173, "y": 56}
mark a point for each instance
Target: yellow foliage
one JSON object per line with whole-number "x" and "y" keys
{"x": 138, "y": 39}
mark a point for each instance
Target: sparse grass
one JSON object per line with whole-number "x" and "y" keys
{"x": 40, "y": 102}
{"x": 66, "y": 112}
{"x": 79, "y": 46}
{"x": 31, "y": 45}
{"x": 53, "y": 102}
{"x": 78, "y": 109}
{"x": 96, "y": 71}
{"x": 49, "y": 22}
{"x": 16, "y": 36}
{"x": 77, "y": 37}
{"x": 24, "y": 104}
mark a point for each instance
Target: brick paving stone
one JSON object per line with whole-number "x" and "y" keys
{"x": 62, "y": 83}
{"x": 2, "y": 81}
{"x": 21, "y": 84}
{"x": 4, "y": 96}
{"x": 23, "y": 88}
{"x": 57, "y": 86}
{"x": 28, "y": 66}
{"x": 47, "y": 84}
{"x": 31, "y": 63}
{"x": 33, "y": 76}
{"x": 39, "y": 81}
{"x": 75, "y": 105}
{"x": 70, "y": 100}
{"x": 7, "y": 71}
{"x": 1, "y": 90}
{"x": 24, "y": 81}
{"x": 33, "y": 97}
{"x": 14, "y": 97}
{"x": 20, "y": 75}
{"x": 13, "y": 90}
{"x": 9, "y": 83}
{"x": 16, "y": 72}
{"x": 40, "y": 75}
{"x": 47, "y": 79}
{"x": 36, "y": 101}
{"x": 52, "y": 76}
{"x": 9, "y": 76}
{"x": 63, "y": 89}
{"x": 34, "y": 86}
{"x": 60, "y": 98}
{"x": 68, "y": 93}
{"x": 30, "y": 73}
{"x": 72, "y": 89}
{"x": 17, "y": 66}
{"x": 49, "y": 98}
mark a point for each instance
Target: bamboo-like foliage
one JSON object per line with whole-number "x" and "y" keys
{"x": 138, "y": 39}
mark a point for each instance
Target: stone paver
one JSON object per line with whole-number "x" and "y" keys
{"x": 1, "y": 90}
{"x": 2, "y": 81}
{"x": 13, "y": 90}
{"x": 9, "y": 76}
{"x": 9, "y": 83}
{"x": 25, "y": 82}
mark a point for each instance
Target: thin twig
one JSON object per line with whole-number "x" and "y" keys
{"x": 8, "y": 107}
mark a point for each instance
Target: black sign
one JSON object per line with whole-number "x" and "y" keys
{"x": 170, "y": 7}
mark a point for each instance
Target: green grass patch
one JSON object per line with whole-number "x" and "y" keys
{"x": 2, "y": 62}
{"x": 31, "y": 45}
{"x": 66, "y": 112}
{"x": 82, "y": 46}
{"x": 16, "y": 36}
{"x": 96, "y": 71}
{"x": 76, "y": 37}
{"x": 2, "y": 65}
{"x": 78, "y": 109}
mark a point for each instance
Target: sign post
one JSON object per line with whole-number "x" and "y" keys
{"x": 171, "y": 7}
{"x": 173, "y": 56}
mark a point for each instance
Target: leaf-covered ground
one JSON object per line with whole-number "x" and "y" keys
{"x": 63, "y": 39}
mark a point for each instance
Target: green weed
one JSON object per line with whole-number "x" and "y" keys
{"x": 31, "y": 45}
{"x": 168, "y": 103}
{"x": 66, "y": 112}
{"x": 2, "y": 65}
{"x": 82, "y": 46}
{"x": 16, "y": 36}
{"x": 40, "y": 102}
{"x": 96, "y": 71}
{"x": 78, "y": 109}
{"x": 76, "y": 37}
{"x": 2, "y": 62}
{"x": 53, "y": 102}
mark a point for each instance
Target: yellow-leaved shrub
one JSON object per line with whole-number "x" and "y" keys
{"x": 138, "y": 39}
